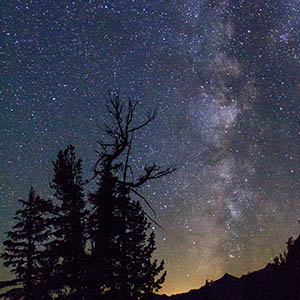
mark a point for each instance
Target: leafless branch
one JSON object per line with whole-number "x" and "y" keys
{"x": 146, "y": 201}
{"x": 151, "y": 219}
{"x": 151, "y": 172}
{"x": 126, "y": 166}
{"x": 121, "y": 133}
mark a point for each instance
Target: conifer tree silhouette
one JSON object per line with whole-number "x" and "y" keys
{"x": 291, "y": 269}
{"x": 118, "y": 225}
{"x": 47, "y": 247}
{"x": 68, "y": 246}
{"x": 287, "y": 272}
{"x": 207, "y": 293}
{"x": 134, "y": 272}
{"x": 24, "y": 249}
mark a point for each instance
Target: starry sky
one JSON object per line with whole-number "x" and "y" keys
{"x": 225, "y": 79}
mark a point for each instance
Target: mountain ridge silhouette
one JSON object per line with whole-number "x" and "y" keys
{"x": 276, "y": 281}
{"x": 225, "y": 288}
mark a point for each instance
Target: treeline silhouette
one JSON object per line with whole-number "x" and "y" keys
{"x": 73, "y": 248}
{"x": 279, "y": 280}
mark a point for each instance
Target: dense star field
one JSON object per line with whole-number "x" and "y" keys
{"x": 224, "y": 77}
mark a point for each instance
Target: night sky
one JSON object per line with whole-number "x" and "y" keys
{"x": 225, "y": 79}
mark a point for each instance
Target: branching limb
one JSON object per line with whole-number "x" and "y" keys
{"x": 151, "y": 172}
{"x": 120, "y": 133}
{"x": 145, "y": 200}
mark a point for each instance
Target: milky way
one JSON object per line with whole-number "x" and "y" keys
{"x": 224, "y": 77}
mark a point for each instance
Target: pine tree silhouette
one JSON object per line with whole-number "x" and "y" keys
{"x": 118, "y": 226}
{"x": 135, "y": 273}
{"x": 101, "y": 232}
{"x": 207, "y": 293}
{"x": 47, "y": 248}
{"x": 24, "y": 249}
{"x": 291, "y": 269}
{"x": 68, "y": 246}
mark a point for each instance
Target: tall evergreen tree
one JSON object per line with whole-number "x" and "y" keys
{"x": 24, "y": 249}
{"x": 287, "y": 272}
{"x": 102, "y": 233}
{"x": 291, "y": 270}
{"x": 68, "y": 245}
{"x": 119, "y": 226}
{"x": 134, "y": 272}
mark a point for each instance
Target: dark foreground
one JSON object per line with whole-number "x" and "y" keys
{"x": 277, "y": 281}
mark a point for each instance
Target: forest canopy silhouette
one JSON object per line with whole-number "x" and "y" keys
{"x": 100, "y": 246}
{"x": 94, "y": 247}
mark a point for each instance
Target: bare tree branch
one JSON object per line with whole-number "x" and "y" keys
{"x": 151, "y": 172}
{"x": 146, "y": 201}
{"x": 120, "y": 133}
{"x": 127, "y": 159}
{"x": 151, "y": 219}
